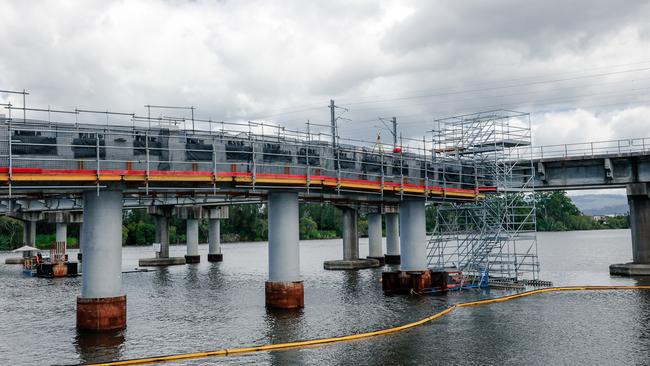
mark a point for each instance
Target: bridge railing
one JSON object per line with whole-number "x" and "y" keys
{"x": 76, "y": 148}
{"x": 584, "y": 149}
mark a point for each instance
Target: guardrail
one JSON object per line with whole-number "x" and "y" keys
{"x": 100, "y": 150}
{"x": 584, "y": 149}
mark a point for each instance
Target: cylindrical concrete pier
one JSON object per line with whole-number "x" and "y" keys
{"x": 81, "y": 250}
{"x": 413, "y": 243}
{"x": 29, "y": 233}
{"x": 350, "y": 234}
{"x": 214, "y": 241}
{"x": 61, "y": 232}
{"x": 102, "y": 304}
{"x": 162, "y": 235}
{"x": 392, "y": 239}
{"x": 192, "y": 240}
{"x": 284, "y": 289}
{"x": 640, "y": 227}
{"x": 375, "y": 247}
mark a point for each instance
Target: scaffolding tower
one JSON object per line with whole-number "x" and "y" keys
{"x": 492, "y": 237}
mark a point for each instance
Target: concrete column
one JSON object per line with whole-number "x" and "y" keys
{"x": 161, "y": 215}
{"x": 284, "y": 289}
{"x": 640, "y": 225}
{"x": 413, "y": 235}
{"x": 81, "y": 248}
{"x": 192, "y": 239}
{"x": 350, "y": 234}
{"x": 214, "y": 241}
{"x": 351, "y": 258}
{"x": 102, "y": 304}
{"x": 29, "y": 233}
{"x": 392, "y": 238}
{"x": 61, "y": 232}
{"x": 638, "y": 198}
{"x": 162, "y": 235}
{"x": 375, "y": 250}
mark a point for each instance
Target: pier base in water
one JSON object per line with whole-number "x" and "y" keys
{"x": 351, "y": 264}
{"x": 405, "y": 282}
{"x": 152, "y": 262}
{"x": 191, "y": 259}
{"x": 285, "y": 295}
{"x": 215, "y": 257}
{"x": 630, "y": 269}
{"x": 392, "y": 259}
{"x": 381, "y": 260}
{"x": 101, "y": 313}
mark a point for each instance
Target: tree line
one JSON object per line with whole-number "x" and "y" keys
{"x": 554, "y": 212}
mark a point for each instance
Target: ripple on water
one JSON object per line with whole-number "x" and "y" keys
{"x": 215, "y": 305}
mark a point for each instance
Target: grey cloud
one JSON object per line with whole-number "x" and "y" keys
{"x": 236, "y": 60}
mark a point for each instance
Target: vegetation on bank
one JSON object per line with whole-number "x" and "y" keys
{"x": 555, "y": 212}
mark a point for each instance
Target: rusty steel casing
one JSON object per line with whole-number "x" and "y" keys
{"x": 413, "y": 281}
{"x": 101, "y": 313}
{"x": 285, "y": 295}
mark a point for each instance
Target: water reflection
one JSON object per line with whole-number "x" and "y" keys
{"x": 215, "y": 276}
{"x": 99, "y": 347}
{"x": 192, "y": 275}
{"x": 351, "y": 282}
{"x": 161, "y": 279}
{"x": 284, "y": 325}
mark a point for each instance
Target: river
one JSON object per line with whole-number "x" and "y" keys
{"x": 217, "y": 305}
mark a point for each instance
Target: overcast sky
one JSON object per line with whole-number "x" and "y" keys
{"x": 581, "y": 68}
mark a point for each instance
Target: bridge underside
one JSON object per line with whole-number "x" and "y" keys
{"x": 630, "y": 170}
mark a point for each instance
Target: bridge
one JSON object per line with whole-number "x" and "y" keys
{"x": 80, "y": 170}
{"x": 623, "y": 163}
{"x": 94, "y": 165}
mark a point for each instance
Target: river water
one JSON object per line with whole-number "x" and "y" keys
{"x": 221, "y": 305}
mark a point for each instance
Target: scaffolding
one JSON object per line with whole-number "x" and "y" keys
{"x": 493, "y": 237}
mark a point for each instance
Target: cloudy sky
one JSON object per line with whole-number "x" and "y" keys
{"x": 581, "y": 68}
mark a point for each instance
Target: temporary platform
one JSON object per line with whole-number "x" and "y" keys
{"x": 494, "y": 235}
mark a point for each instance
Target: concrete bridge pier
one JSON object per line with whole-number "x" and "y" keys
{"x": 192, "y": 240}
{"x": 638, "y": 197}
{"x": 284, "y": 289}
{"x": 62, "y": 232}
{"x": 413, "y": 274}
{"x": 161, "y": 215}
{"x": 61, "y": 219}
{"x": 162, "y": 235}
{"x": 350, "y": 235}
{"x": 102, "y": 304}
{"x": 29, "y": 233}
{"x": 375, "y": 247}
{"x": 392, "y": 238}
{"x": 413, "y": 235}
{"x": 215, "y": 215}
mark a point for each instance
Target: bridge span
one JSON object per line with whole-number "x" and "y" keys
{"x": 623, "y": 163}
